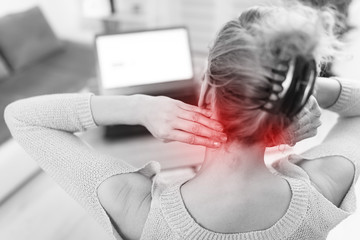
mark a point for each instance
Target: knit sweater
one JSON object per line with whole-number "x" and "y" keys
{"x": 45, "y": 128}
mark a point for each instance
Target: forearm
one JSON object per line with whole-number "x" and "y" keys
{"x": 44, "y": 127}
{"x": 327, "y": 91}
{"x": 344, "y": 137}
{"x": 65, "y": 112}
{"x": 339, "y": 95}
{"x": 112, "y": 110}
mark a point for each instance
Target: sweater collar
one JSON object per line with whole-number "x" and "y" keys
{"x": 181, "y": 221}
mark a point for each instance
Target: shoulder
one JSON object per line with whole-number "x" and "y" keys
{"x": 332, "y": 176}
{"x": 127, "y": 199}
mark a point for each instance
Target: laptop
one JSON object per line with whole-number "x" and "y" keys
{"x": 155, "y": 62}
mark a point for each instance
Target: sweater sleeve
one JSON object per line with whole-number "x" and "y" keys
{"x": 344, "y": 138}
{"x": 44, "y": 126}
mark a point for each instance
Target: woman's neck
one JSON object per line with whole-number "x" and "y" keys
{"x": 235, "y": 179}
{"x": 233, "y": 166}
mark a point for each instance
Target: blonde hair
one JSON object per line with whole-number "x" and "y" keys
{"x": 341, "y": 10}
{"x": 242, "y": 50}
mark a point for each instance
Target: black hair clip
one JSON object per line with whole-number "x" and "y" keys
{"x": 295, "y": 90}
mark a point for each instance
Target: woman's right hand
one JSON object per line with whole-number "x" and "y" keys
{"x": 172, "y": 120}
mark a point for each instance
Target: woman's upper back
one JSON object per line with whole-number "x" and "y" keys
{"x": 253, "y": 206}
{"x": 296, "y": 195}
{"x": 309, "y": 215}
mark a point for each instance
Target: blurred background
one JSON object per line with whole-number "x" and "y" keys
{"x": 48, "y": 47}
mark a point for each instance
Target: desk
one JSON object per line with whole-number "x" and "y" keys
{"x": 139, "y": 150}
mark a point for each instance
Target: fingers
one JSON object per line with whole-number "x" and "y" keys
{"x": 199, "y": 118}
{"x": 304, "y": 131}
{"x": 189, "y": 124}
{"x": 192, "y": 139}
{"x": 314, "y": 106}
{"x": 305, "y": 124}
{"x": 295, "y": 134}
{"x": 292, "y": 137}
{"x": 300, "y": 137}
{"x": 304, "y": 121}
{"x": 289, "y": 137}
{"x": 311, "y": 106}
{"x": 308, "y": 128}
{"x": 200, "y": 130}
{"x": 311, "y": 111}
{"x": 302, "y": 113}
{"x": 195, "y": 109}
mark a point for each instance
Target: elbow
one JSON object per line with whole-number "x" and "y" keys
{"x": 12, "y": 114}
{"x": 9, "y": 113}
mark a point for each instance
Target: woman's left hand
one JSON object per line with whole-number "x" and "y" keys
{"x": 305, "y": 124}
{"x": 172, "y": 120}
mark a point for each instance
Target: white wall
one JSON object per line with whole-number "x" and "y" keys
{"x": 205, "y": 17}
{"x": 66, "y": 18}
{"x": 63, "y": 15}
{"x": 347, "y": 65}
{"x": 202, "y": 16}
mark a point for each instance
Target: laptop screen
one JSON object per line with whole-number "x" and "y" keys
{"x": 142, "y": 58}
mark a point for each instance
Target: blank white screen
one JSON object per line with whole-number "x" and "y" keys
{"x": 142, "y": 58}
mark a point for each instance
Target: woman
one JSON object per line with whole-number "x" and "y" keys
{"x": 234, "y": 195}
